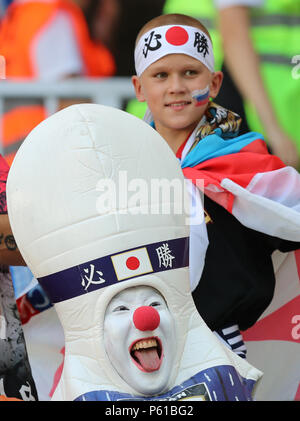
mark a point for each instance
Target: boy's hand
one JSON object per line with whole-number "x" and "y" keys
{"x": 283, "y": 147}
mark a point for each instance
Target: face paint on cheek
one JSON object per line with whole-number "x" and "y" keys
{"x": 200, "y": 96}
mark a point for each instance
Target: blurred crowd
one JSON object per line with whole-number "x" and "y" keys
{"x": 51, "y": 40}
{"x": 56, "y": 39}
{"x": 112, "y": 23}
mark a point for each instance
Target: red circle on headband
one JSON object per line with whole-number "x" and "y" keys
{"x": 132, "y": 263}
{"x": 177, "y": 35}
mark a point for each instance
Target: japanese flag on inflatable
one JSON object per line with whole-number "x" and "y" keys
{"x": 114, "y": 265}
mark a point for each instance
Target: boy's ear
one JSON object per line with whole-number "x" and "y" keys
{"x": 216, "y": 83}
{"x": 138, "y": 89}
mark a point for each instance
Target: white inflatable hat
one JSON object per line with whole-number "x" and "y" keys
{"x": 116, "y": 272}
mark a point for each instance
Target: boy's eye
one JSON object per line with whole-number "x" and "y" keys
{"x": 190, "y": 72}
{"x": 161, "y": 75}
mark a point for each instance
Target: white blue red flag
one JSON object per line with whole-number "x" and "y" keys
{"x": 239, "y": 174}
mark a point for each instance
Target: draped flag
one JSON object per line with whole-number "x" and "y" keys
{"x": 239, "y": 174}
{"x": 273, "y": 343}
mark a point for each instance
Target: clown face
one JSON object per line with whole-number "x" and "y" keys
{"x": 139, "y": 338}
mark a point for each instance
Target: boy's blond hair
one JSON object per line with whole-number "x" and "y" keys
{"x": 171, "y": 19}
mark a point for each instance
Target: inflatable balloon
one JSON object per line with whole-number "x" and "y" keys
{"x": 113, "y": 257}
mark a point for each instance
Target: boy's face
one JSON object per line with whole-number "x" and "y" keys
{"x": 167, "y": 86}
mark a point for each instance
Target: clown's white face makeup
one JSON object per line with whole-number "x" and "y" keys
{"x": 139, "y": 338}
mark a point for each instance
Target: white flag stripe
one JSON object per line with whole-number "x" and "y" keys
{"x": 275, "y": 219}
{"x": 141, "y": 258}
{"x": 230, "y": 329}
{"x": 240, "y": 348}
{"x": 235, "y": 340}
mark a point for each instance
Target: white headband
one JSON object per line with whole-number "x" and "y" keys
{"x": 173, "y": 39}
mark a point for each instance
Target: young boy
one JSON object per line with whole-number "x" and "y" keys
{"x": 251, "y": 206}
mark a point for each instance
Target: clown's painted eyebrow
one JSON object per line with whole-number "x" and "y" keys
{"x": 155, "y": 303}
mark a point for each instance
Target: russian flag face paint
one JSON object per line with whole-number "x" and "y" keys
{"x": 201, "y": 96}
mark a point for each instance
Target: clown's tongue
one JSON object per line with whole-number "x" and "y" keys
{"x": 148, "y": 358}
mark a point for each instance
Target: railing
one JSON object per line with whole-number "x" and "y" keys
{"x": 107, "y": 91}
{"x": 113, "y": 91}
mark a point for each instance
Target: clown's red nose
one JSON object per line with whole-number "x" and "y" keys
{"x": 146, "y": 318}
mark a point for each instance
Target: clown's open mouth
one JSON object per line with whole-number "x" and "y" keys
{"x": 146, "y": 354}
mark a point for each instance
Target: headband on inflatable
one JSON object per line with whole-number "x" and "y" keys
{"x": 113, "y": 269}
{"x": 171, "y": 39}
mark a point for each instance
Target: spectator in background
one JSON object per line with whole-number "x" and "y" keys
{"x": 258, "y": 51}
{"x": 133, "y": 15}
{"x": 48, "y": 41}
{"x": 103, "y": 20}
{"x": 16, "y": 379}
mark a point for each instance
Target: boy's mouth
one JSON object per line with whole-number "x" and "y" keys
{"x": 147, "y": 353}
{"x": 178, "y": 104}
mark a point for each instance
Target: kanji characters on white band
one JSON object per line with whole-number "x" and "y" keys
{"x": 170, "y": 39}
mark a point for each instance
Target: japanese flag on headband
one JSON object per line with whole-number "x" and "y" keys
{"x": 170, "y": 39}
{"x": 132, "y": 263}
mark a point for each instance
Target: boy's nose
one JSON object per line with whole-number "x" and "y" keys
{"x": 146, "y": 318}
{"x": 176, "y": 84}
